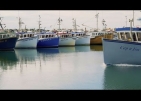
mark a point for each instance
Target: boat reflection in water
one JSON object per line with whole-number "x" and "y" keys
{"x": 8, "y": 59}
{"x": 82, "y": 48}
{"x": 47, "y": 57}
{"x": 26, "y": 56}
{"x": 96, "y": 47}
{"x": 47, "y": 50}
{"x": 66, "y": 49}
{"x": 122, "y": 77}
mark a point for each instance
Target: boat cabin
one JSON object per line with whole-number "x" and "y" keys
{"x": 100, "y": 33}
{"x": 7, "y": 35}
{"x": 25, "y": 35}
{"x": 79, "y": 34}
{"x": 128, "y": 34}
{"x": 46, "y": 35}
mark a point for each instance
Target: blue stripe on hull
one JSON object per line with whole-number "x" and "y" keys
{"x": 8, "y": 43}
{"x": 48, "y": 43}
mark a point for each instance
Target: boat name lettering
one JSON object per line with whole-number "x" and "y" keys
{"x": 129, "y": 48}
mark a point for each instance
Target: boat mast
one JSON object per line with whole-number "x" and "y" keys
{"x": 20, "y": 23}
{"x": 74, "y": 24}
{"x": 131, "y": 29}
{"x": 97, "y": 20}
{"x": 39, "y": 23}
{"x": 1, "y": 23}
{"x": 126, "y": 20}
{"x": 133, "y": 17}
{"x": 59, "y": 22}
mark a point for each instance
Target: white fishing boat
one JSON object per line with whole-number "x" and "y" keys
{"x": 124, "y": 50}
{"x": 26, "y": 39}
{"x": 65, "y": 38}
{"x": 82, "y": 38}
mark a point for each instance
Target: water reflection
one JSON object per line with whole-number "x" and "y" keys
{"x": 96, "y": 47}
{"x": 82, "y": 48}
{"x": 122, "y": 77}
{"x": 47, "y": 56}
{"x": 47, "y": 50}
{"x": 8, "y": 59}
{"x": 26, "y": 55}
{"x": 66, "y": 49}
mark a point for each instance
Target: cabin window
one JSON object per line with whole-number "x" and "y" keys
{"x": 0, "y": 36}
{"x": 24, "y": 35}
{"x": 21, "y": 36}
{"x": 134, "y": 36}
{"x": 42, "y": 36}
{"x": 122, "y": 36}
{"x": 128, "y": 36}
{"x": 46, "y": 36}
{"x": 139, "y": 36}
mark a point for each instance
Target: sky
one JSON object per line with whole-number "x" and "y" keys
{"x": 49, "y": 18}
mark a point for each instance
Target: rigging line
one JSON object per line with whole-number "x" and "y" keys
{"x": 88, "y": 20}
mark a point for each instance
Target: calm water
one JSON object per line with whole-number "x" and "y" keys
{"x": 64, "y": 68}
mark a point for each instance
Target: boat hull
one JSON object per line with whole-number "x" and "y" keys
{"x": 8, "y": 43}
{"x": 48, "y": 42}
{"x": 121, "y": 52}
{"x": 67, "y": 41}
{"x": 98, "y": 39}
{"x": 30, "y": 42}
{"x": 84, "y": 40}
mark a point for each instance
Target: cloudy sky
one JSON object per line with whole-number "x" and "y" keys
{"x": 113, "y": 18}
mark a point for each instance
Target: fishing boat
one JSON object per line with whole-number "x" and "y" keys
{"x": 47, "y": 39}
{"x": 82, "y": 38}
{"x": 97, "y": 34}
{"x": 26, "y": 39}
{"x": 7, "y": 40}
{"x": 124, "y": 50}
{"x": 65, "y": 37}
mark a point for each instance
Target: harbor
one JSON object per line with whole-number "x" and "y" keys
{"x": 79, "y": 57}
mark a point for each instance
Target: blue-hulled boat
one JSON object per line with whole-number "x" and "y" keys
{"x": 47, "y": 40}
{"x": 7, "y": 40}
